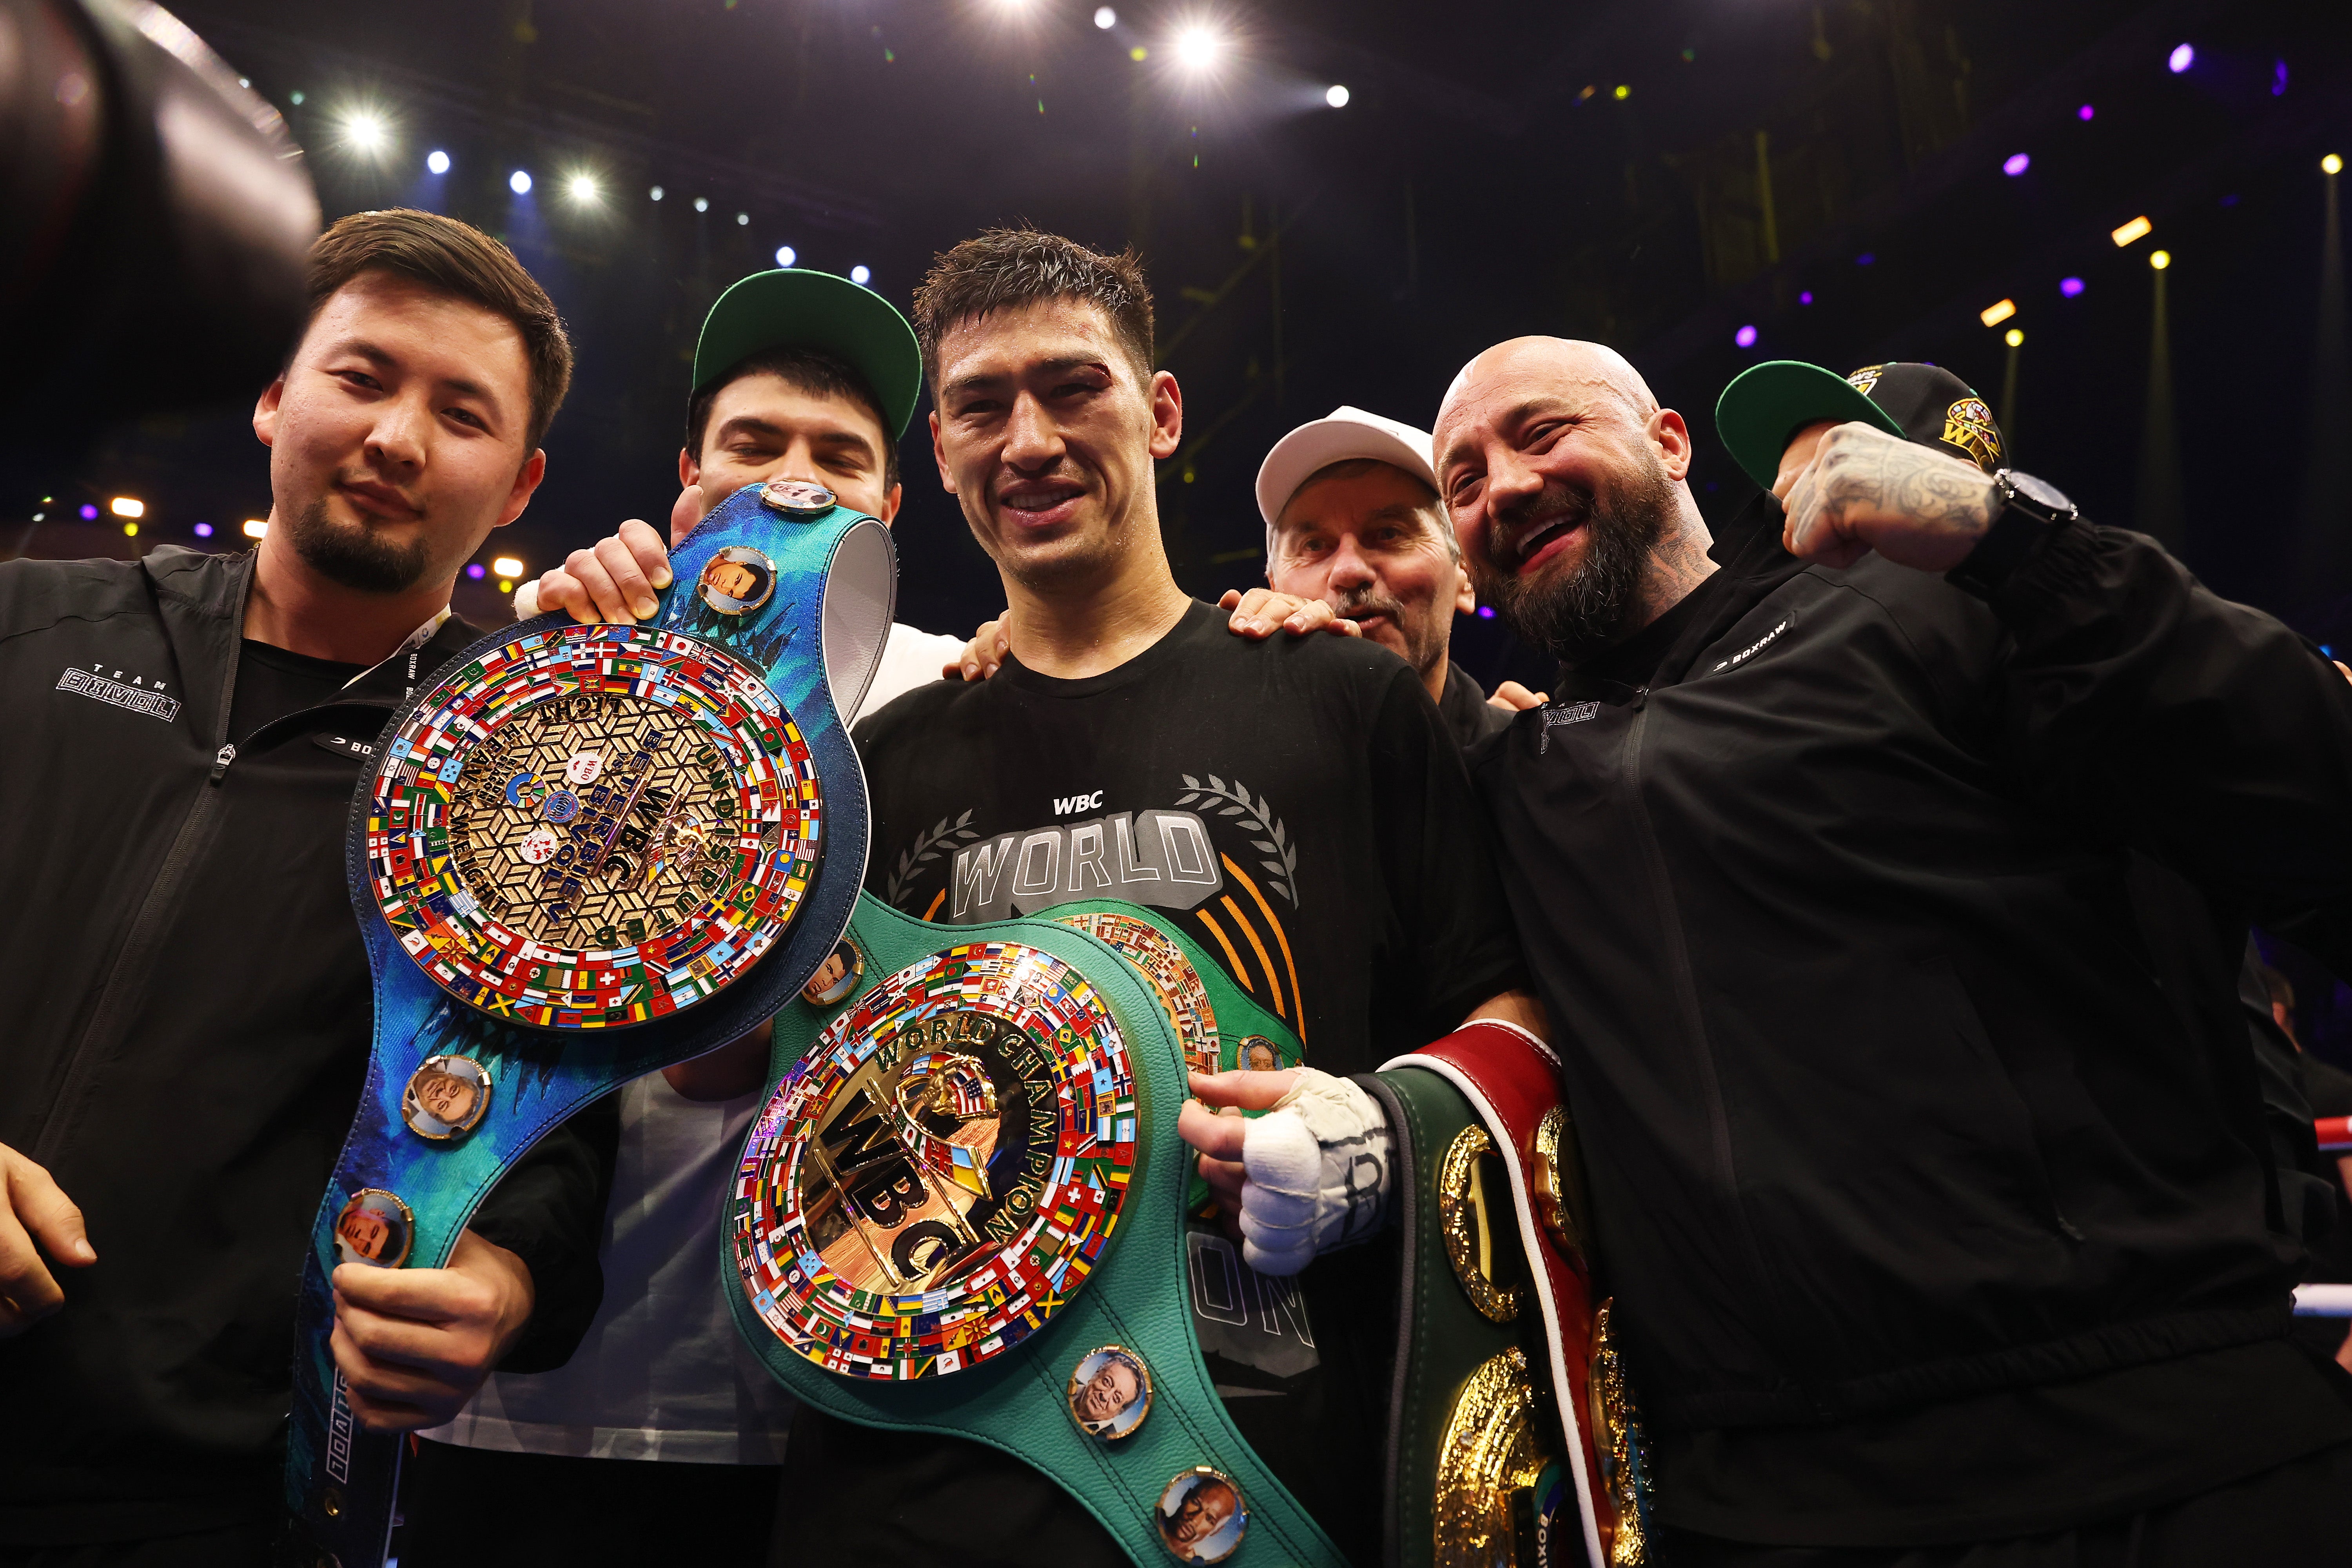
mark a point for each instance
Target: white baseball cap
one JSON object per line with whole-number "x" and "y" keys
{"x": 1343, "y": 434}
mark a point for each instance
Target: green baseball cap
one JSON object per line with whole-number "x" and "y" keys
{"x": 796, "y": 307}
{"x": 1767, "y": 403}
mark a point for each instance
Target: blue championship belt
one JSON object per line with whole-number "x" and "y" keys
{"x": 585, "y": 853}
{"x": 963, "y": 1210}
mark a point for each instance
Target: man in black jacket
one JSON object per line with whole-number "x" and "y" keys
{"x": 1937, "y": 1207}
{"x": 190, "y": 999}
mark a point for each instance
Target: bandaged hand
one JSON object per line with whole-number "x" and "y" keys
{"x": 1310, "y": 1176}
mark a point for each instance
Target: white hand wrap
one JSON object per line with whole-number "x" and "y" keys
{"x": 526, "y": 599}
{"x": 1317, "y": 1173}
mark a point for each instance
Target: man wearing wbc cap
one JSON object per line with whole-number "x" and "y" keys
{"x": 1928, "y": 1170}
{"x": 663, "y": 1431}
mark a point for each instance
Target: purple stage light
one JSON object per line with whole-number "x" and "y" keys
{"x": 2278, "y": 78}
{"x": 2070, "y": 286}
{"x": 1745, "y": 337}
{"x": 2015, "y": 164}
{"x": 2181, "y": 58}
{"x": 1806, "y": 298}
{"x": 1865, "y": 258}
{"x": 2085, "y": 113}
{"x": 476, "y": 571}
{"x": 1485, "y": 612}
{"x": 88, "y": 513}
{"x": 204, "y": 530}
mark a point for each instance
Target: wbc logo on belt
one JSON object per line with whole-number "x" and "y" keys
{"x": 942, "y": 1171}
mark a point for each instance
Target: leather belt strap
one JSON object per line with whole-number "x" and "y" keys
{"x": 1508, "y": 1396}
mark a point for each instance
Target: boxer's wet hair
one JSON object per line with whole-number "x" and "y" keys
{"x": 818, "y": 373}
{"x": 1005, "y": 269}
{"x": 457, "y": 259}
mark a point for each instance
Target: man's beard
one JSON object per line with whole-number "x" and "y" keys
{"x": 354, "y": 556}
{"x": 1598, "y": 604}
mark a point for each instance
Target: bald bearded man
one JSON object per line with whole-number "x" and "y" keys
{"x": 1935, "y": 1212}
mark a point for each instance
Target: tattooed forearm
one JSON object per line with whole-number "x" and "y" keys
{"x": 1911, "y": 481}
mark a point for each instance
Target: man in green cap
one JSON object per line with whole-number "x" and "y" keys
{"x": 663, "y": 1434}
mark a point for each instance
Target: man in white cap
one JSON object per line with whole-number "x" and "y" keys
{"x": 1352, "y": 519}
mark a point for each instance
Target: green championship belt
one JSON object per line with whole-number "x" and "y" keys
{"x": 1513, "y": 1439}
{"x": 962, "y": 1211}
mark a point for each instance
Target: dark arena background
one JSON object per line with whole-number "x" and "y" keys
{"x": 2120, "y": 222}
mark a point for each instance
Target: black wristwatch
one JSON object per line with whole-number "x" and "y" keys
{"x": 2027, "y": 510}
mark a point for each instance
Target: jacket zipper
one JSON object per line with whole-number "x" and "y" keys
{"x": 1685, "y": 990}
{"x": 116, "y": 997}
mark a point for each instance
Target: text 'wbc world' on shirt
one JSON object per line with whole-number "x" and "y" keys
{"x": 1159, "y": 857}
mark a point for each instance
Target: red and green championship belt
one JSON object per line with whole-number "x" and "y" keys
{"x": 1513, "y": 1436}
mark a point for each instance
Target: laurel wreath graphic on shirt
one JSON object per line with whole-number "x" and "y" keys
{"x": 928, "y": 848}
{"x": 1282, "y": 872}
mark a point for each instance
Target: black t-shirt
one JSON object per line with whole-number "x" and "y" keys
{"x": 1466, "y": 709}
{"x": 1298, "y": 807}
{"x": 272, "y": 682}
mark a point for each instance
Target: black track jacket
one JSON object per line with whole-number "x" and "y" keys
{"x": 1884, "y": 1096}
{"x": 187, "y": 1018}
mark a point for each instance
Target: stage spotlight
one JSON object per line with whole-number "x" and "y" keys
{"x": 519, "y": 181}
{"x": 255, "y": 527}
{"x": 656, "y": 193}
{"x": 2070, "y": 286}
{"x": 702, "y": 204}
{"x": 2135, "y": 229}
{"x": 1745, "y": 337}
{"x": 365, "y": 132}
{"x": 89, "y": 512}
{"x": 1139, "y": 54}
{"x": 583, "y": 189}
{"x": 506, "y": 566}
{"x": 2159, "y": 259}
{"x": 1806, "y": 298}
{"x": 743, "y": 220}
{"x": 1106, "y": 18}
{"x": 860, "y": 275}
{"x": 2331, "y": 165}
{"x": 476, "y": 571}
{"x": 2181, "y": 58}
{"x": 2016, "y": 164}
{"x": 436, "y": 161}
{"x": 2014, "y": 338}
{"x": 1995, "y": 314}
{"x": 2085, "y": 113}
{"x": 786, "y": 256}
{"x": 1335, "y": 96}
{"x": 1198, "y": 47}
{"x": 204, "y": 530}
{"x": 1622, "y": 93}
{"x": 126, "y": 506}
